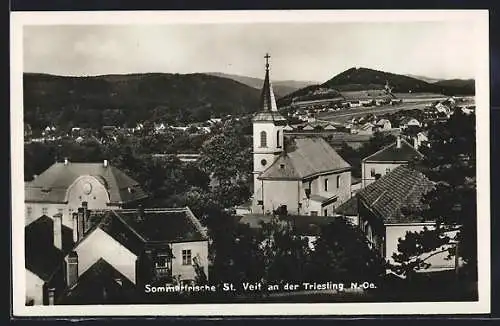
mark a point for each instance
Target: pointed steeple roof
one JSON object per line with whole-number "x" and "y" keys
{"x": 268, "y": 108}
{"x": 267, "y": 99}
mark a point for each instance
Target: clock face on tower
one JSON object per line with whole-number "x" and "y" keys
{"x": 87, "y": 188}
{"x": 263, "y": 162}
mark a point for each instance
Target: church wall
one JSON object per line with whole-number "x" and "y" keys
{"x": 343, "y": 191}
{"x": 281, "y": 192}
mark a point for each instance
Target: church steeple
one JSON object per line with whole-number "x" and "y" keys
{"x": 267, "y": 99}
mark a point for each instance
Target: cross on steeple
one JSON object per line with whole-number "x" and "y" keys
{"x": 267, "y": 56}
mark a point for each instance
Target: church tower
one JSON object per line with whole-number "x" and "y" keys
{"x": 268, "y": 125}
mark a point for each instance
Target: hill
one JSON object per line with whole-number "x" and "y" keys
{"x": 280, "y": 87}
{"x": 465, "y": 84}
{"x": 361, "y": 79}
{"x": 125, "y": 99}
{"x": 425, "y": 79}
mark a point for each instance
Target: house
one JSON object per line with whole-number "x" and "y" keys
{"x": 288, "y": 128}
{"x": 330, "y": 127}
{"x": 308, "y": 127}
{"x": 117, "y": 252}
{"x": 349, "y": 210}
{"x": 65, "y": 185}
{"x": 304, "y": 175}
{"x": 420, "y": 138}
{"x": 385, "y": 160}
{"x": 383, "y": 124}
{"x": 366, "y": 129}
{"x": 407, "y": 122}
{"x": 46, "y": 241}
{"x": 392, "y": 206}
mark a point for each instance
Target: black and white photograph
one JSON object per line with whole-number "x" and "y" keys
{"x": 250, "y": 163}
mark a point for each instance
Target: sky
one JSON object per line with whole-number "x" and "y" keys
{"x": 307, "y": 51}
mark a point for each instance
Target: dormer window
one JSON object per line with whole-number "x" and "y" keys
{"x": 263, "y": 139}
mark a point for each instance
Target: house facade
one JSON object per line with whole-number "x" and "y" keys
{"x": 63, "y": 187}
{"x": 134, "y": 246}
{"x": 387, "y": 159}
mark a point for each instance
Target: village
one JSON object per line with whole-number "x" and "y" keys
{"x": 314, "y": 192}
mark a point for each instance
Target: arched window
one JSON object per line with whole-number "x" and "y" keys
{"x": 278, "y": 139}
{"x": 263, "y": 139}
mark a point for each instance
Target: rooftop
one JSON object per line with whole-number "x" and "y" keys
{"x": 53, "y": 183}
{"x": 391, "y": 153}
{"x": 303, "y": 158}
{"x": 348, "y": 208}
{"x": 41, "y": 257}
{"x": 398, "y": 191}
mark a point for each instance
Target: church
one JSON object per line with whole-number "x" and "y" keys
{"x": 296, "y": 175}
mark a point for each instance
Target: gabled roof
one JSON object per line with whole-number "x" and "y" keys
{"x": 100, "y": 284}
{"x": 165, "y": 224}
{"x": 400, "y": 189}
{"x": 305, "y": 157}
{"x": 348, "y": 208}
{"x": 392, "y": 153}
{"x": 406, "y": 120}
{"x": 52, "y": 184}
{"x": 41, "y": 257}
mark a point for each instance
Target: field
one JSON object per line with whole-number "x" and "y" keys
{"x": 408, "y": 104}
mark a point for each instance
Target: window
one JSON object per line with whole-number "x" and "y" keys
{"x": 338, "y": 181}
{"x": 60, "y": 211}
{"x": 29, "y": 210}
{"x": 326, "y": 212}
{"x": 387, "y": 170}
{"x": 278, "y": 139}
{"x": 314, "y": 213}
{"x": 372, "y": 172}
{"x": 263, "y": 162}
{"x": 186, "y": 257}
{"x": 326, "y": 184}
{"x": 263, "y": 139}
{"x": 45, "y": 211}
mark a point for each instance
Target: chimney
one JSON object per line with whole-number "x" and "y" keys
{"x": 51, "y": 295}
{"x": 75, "y": 228}
{"x": 71, "y": 268}
{"x": 86, "y": 214}
{"x": 105, "y": 163}
{"x": 398, "y": 142}
{"x": 81, "y": 222}
{"x": 58, "y": 230}
{"x": 66, "y": 161}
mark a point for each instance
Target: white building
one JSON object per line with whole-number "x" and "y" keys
{"x": 303, "y": 175}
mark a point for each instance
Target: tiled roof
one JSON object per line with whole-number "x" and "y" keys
{"x": 392, "y": 153}
{"x": 99, "y": 285}
{"x": 41, "y": 257}
{"x": 391, "y": 194}
{"x": 52, "y": 184}
{"x": 305, "y": 157}
{"x": 348, "y": 208}
{"x": 169, "y": 224}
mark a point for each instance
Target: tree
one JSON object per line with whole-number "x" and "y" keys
{"x": 284, "y": 254}
{"x": 450, "y": 162}
{"x": 342, "y": 252}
